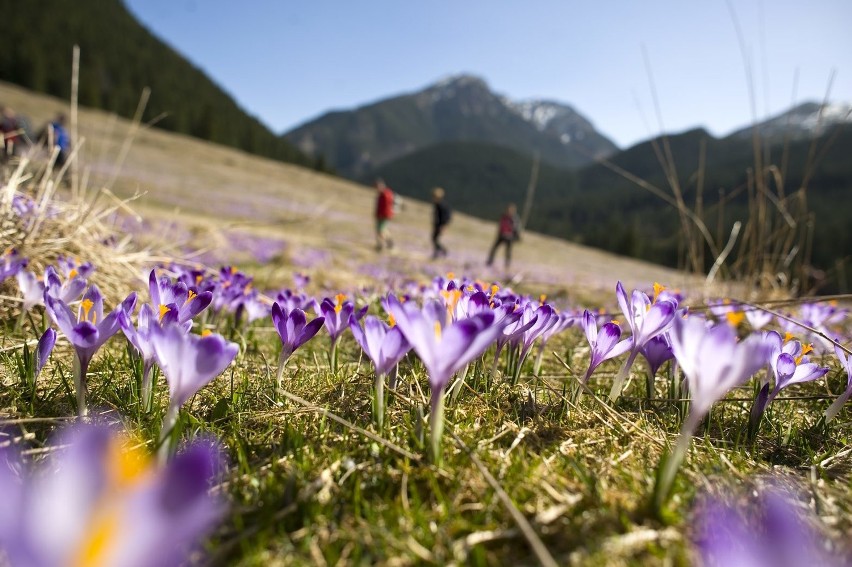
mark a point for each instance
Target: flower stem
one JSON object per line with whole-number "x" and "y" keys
{"x": 621, "y": 377}
{"x": 671, "y": 463}
{"x": 379, "y": 400}
{"x": 81, "y": 370}
{"x": 169, "y": 423}
{"x": 436, "y": 425}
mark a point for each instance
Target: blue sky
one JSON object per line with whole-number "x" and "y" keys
{"x": 289, "y": 61}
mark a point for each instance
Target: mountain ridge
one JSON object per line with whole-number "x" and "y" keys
{"x": 455, "y": 108}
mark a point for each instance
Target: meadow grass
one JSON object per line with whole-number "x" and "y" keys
{"x": 306, "y": 489}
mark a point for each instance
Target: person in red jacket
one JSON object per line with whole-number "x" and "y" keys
{"x": 509, "y": 231}
{"x": 384, "y": 213}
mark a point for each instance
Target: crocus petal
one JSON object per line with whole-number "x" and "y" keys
{"x": 45, "y": 347}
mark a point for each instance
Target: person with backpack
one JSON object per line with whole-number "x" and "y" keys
{"x": 440, "y": 218}
{"x": 55, "y": 133}
{"x": 509, "y": 231}
{"x": 384, "y": 213}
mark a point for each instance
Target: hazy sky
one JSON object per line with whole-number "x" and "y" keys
{"x": 289, "y": 61}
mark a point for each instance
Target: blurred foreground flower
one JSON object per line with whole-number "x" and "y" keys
{"x": 97, "y": 501}
{"x": 773, "y": 534}
{"x": 714, "y": 361}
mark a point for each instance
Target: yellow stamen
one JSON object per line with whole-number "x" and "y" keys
{"x": 494, "y": 289}
{"x": 438, "y": 330}
{"x": 163, "y": 310}
{"x": 658, "y": 288}
{"x": 542, "y": 298}
{"x": 735, "y": 317}
{"x": 192, "y": 295}
{"x": 86, "y": 305}
{"x": 788, "y": 336}
{"x": 198, "y": 279}
{"x": 94, "y": 549}
{"x": 73, "y": 273}
{"x": 451, "y": 275}
{"x": 126, "y": 465}
{"x": 233, "y": 270}
{"x": 340, "y": 299}
{"x": 391, "y": 320}
{"x": 206, "y": 333}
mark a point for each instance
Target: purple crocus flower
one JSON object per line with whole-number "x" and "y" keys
{"x": 45, "y": 346}
{"x": 189, "y": 363}
{"x": 790, "y": 364}
{"x": 769, "y": 534}
{"x": 288, "y": 300}
{"x": 140, "y": 338}
{"x": 294, "y": 331}
{"x": 97, "y": 501}
{"x": 72, "y": 267}
{"x": 337, "y": 314}
{"x": 174, "y": 296}
{"x": 646, "y": 320}
{"x": 445, "y": 348}
{"x": 87, "y": 331}
{"x": 714, "y": 361}
{"x": 32, "y": 289}
{"x": 11, "y": 263}
{"x": 563, "y": 321}
{"x": 845, "y": 363}
{"x": 66, "y": 291}
{"x": 544, "y": 318}
{"x": 604, "y": 343}
{"x": 385, "y": 346}
{"x": 657, "y": 351}
{"x": 758, "y": 318}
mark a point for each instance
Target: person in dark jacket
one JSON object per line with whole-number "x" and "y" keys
{"x": 508, "y": 232}
{"x": 440, "y": 219}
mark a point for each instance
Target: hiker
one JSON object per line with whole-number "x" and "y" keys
{"x": 440, "y": 218}
{"x": 56, "y": 133}
{"x": 508, "y": 232}
{"x": 384, "y": 213}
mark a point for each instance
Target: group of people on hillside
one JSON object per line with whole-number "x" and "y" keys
{"x": 17, "y": 135}
{"x": 388, "y": 203}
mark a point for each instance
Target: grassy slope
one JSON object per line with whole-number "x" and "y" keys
{"x": 211, "y": 188}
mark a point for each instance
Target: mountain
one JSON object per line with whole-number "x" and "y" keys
{"x": 118, "y": 59}
{"x": 459, "y": 108}
{"x": 804, "y": 121}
